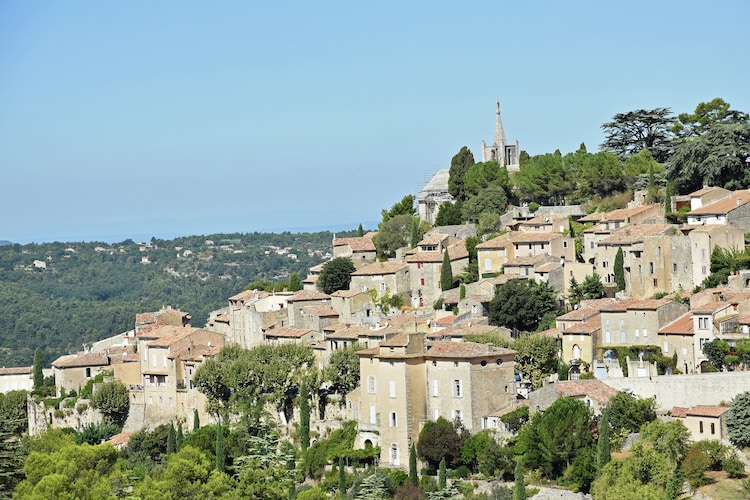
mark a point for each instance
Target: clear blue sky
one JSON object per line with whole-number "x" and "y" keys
{"x": 139, "y": 119}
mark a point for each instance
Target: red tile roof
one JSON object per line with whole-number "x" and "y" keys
{"x": 357, "y": 244}
{"x": 289, "y": 333}
{"x": 381, "y": 268}
{"x": 304, "y": 295}
{"x": 707, "y": 411}
{"x": 724, "y": 205}
{"x": 456, "y": 251}
{"x": 17, "y": 370}
{"x": 595, "y": 389}
{"x": 81, "y": 360}
{"x": 681, "y": 326}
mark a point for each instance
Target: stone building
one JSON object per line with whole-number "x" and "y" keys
{"x": 360, "y": 250}
{"x": 391, "y": 277}
{"x": 20, "y": 378}
{"x": 637, "y": 322}
{"x": 507, "y": 155}
{"x": 434, "y": 194}
{"x": 73, "y": 371}
{"x": 406, "y": 381}
{"x": 425, "y": 265}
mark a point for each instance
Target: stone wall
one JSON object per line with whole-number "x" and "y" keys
{"x": 78, "y": 417}
{"x": 686, "y": 390}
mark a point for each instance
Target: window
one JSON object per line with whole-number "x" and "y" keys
{"x": 421, "y": 281}
{"x": 658, "y": 249}
{"x": 435, "y": 414}
{"x": 637, "y": 333}
{"x": 484, "y": 422}
{"x": 419, "y": 265}
{"x": 392, "y": 388}
{"x": 393, "y": 421}
{"x": 604, "y": 263}
{"x": 434, "y": 388}
{"x": 88, "y": 373}
{"x": 651, "y": 268}
{"x": 713, "y": 428}
{"x": 700, "y": 426}
{"x": 395, "y": 458}
{"x": 459, "y": 415}
{"x": 457, "y": 388}
{"x": 703, "y": 269}
{"x": 607, "y": 337}
{"x": 565, "y": 244}
{"x": 382, "y": 286}
{"x": 488, "y": 264}
{"x": 622, "y": 337}
{"x": 703, "y": 253}
{"x": 674, "y": 267}
{"x": 592, "y": 244}
{"x": 703, "y": 323}
{"x": 372, "y": 385}
{"x": 666, "y": 346}
{"x": 373, "y": 415}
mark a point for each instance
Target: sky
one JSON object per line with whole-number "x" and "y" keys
{"x": 137, "y": 119}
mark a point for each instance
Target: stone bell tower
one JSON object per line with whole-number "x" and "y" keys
{"x": 505, "y": 154}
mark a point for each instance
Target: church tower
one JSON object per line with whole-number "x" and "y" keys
{"x": 505, "y": 154}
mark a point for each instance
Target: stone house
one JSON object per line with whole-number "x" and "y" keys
{"x": 611, "y": 222}
{"x": 354, "y": 306}
{"x": 678, "y": 337}
{"x": 391, "y": 277}
{"x": 546, "y": 224}
{"x": 637, "y": 322}
{"x": 494, "y": 255}
{"x": 425, "y": 265}
{"x": 734, "y": 210}
{"x": 704, "y": 421}
{"x": 73, "y": 371}
{"x": 703, "y": 240}
{"x": 20, "y": 378}
{"x": 316, "y": 317}
{"x": 303, "y": 336}
{"x": 716, "y": 314}
{"x": 297, "y": 302}
{"x": 360, "y": 250}
{"x": 252, "y": 312}
{"x": 311, "y": 281}
{"x": 706, "y": 196}
{"x": 594, "y": 393}
{"x": 406, "y": 381}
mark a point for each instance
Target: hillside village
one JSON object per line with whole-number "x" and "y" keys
{"x": 645, "y": 335}
{"x": 415, "y": 366}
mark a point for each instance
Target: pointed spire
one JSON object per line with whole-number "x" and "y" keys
{"x": 499, "y": 132}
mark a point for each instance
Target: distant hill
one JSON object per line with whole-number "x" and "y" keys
{"x": 60, "y": 295}
{"x": 5, "y": 242}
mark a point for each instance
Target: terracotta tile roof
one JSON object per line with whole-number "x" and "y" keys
{"x": 724, "y": 205}
{"x": 248, "y": 295}
{"x": 547, "y": 267}
{"x": 371, "y": 351}
{"x": 501, "y": 241}
{"x": 635, "y": 233}
{"x": 381, "y": 268}
{"x": 456, "y": 251}
{"x": 398, "y": 340}
{"x": 166, "y": 316}
{"x": 317, "y": 269}
{"x": 745, "y": 320}
{"x": 159, "y": 331}
{"x": 356, "y": 244}
{"x": 679, "y": 412}
{"x": 81, "y": 359}
{"x": 346, "y": 293}
{"x": 17, "y": 370}
{"x": 407, "y": 319}
{"x": 592, "y": 217}
{"x": 707, "y": 411}
{"x": 595, "y": 389}
{"x": 432, "y": 239}
{"x": 636, "y": 305}
{"x": 550, "y": 332}
{"x": 587, "y": 327}
{"x": 312, "y": 279}
{"x": 527, "y": 237}
{"x": 288, "y": 333}
{"x": 463, "y": 329}
{"x": 681, "y": 326}
{"x": 304, "y": 295}
{"x": 545, "y": 220}
{"x": 321, "y": 311}
{"x": 702, "y": 191}
{"x": 526, "y": 261}
{"x": 447, "y": 349}
{"x": 120, "y": 439}
{"x": 510, "y": 408}
{"x": 169, "y": 335}
{"x": 625, "y": 213}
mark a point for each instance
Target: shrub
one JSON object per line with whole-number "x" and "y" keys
{"x": 734, "y": 467}
{"x": 695, "y": 464}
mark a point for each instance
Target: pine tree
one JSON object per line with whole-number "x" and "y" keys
{"x": 446, "y": 273}
{"x": 221, "y": 454}
{"x": 441, "y": 474}
{"x": 304, "y": 417}
{"x": 38, "y": 373}
{"x": 196, "y": 420}
{"x": 603, "y": 448}
{"x": 413, "y": 479}
{"x": 171, "y": 440}
{"x": 619, "y": 270}
{"x": 519, "y": 490}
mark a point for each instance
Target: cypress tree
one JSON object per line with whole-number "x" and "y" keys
{"x": 221, "y": 454}
{"x": 360, "y": 231}
{"x": 603, "y": 448}
{"x": 342, "y": 477}
{"x": 171, "y": 440}
{"x": 413, "y": 479}
{"x": 446, "y": 273}
{"x": 304, "y": 417}
{"x": 441, "y": 474}
{"x": 668, "y": 198}
{"x": 180, "y": 437}
{"x": 619, "y": 270}
{"x": 38, "y": 374}
{"x": 196, "y": 420}
{"x": 519, "y": 490}
{"x": 414, "y": 232}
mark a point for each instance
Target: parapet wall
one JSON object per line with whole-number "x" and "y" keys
{"x": 686, "y": 390}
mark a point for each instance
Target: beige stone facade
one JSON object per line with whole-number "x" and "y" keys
{"x": 390, "y": 277}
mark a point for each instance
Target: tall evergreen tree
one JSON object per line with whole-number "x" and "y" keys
{"x": 342, "y": 477}
{"x": 446, "y": 273}
{"x": 441, "y": 474}
{"x": 414, "y": 236}
{"x": 171, "y": 440}
{"x": 619, "y": 270}
{"x": 360, "y": 231}
{"x": 221, "y": 454}
{"x": 519, "y": 490}
{"x": 603, "y": 447}
{"x": 38, "y": 373}
{"x": 304, "y": 417}
{"x": 413, "y": 479}
{"x": 180, "y": 437}
{"x": 196, "y": 420}
{"x": 668, "y": 198}
{"x": 460, "y": 164}
{"x": 295, "y": 284}
{"x": 462, "y": 292}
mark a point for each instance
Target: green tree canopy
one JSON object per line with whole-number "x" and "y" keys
{"x": 460, "y": 165}
{"x": 335, "y": 275}
{"x": 490, "y": 200}
{"x": 441, "y": 439}
{"x": 403, "y": 207}
{"x": 342, "y": 370}
{"x": 626, "y": 411}
{"x": 738, "y": 420}
{"x": 113, "y": 402}
{"x": 705, "y": 116}
{"x": 522, "y": 304}
{"x": 446, "y": 273}
{"x": 536, "y": 357}
{"x": 634, "y": 131}
{"x": 396, "y": 233}
{"x": 449, "y": 214}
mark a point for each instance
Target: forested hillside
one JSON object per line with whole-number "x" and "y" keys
{"x": 60, "y": 295}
